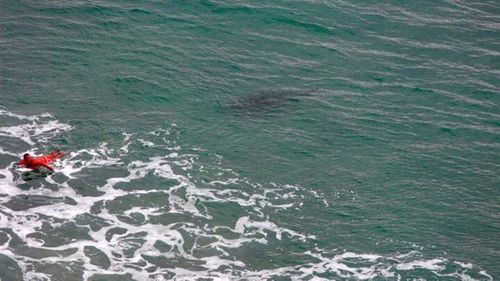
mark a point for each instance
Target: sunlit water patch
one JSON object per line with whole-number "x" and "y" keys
{"x": 147, "y": 208}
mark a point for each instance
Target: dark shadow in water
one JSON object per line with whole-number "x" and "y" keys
{"x": 36, "y": 174}
{"x": 268, "y": 100}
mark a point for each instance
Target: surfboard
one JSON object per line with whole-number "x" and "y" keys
{"x": 36, "y": 174}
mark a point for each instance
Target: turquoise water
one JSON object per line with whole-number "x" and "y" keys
{"x": 240, "y": 140}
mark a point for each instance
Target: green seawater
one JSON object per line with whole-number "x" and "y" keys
{"x": 285, "y": 140}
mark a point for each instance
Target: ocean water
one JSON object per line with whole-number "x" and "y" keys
{"x": 251, "y": 140}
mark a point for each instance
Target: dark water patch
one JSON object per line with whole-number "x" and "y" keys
{"x": 115, "y": 231}
{"x": 95, "y": 223}
{"x": 149, "y": 182}
{"x": 173, "y": 218}
{"x": 133, "y": 219}
{"x": 133, "y": 245}
{"x": 97, "y": 177}
{"x": 61, "y": 271}
{"x": 61, "y": 235}
{"x": 4, "y": 238}
{"x": 10, "y": 269}
{"x": 6, "y": 160}
{"x": 162, "y": 247}
{"x": 111, "y": 277}
{"x": 40, "y": 253}
{"x": 225, "y": 213}
{"x": 260, "y": 257}
{"x": 21, "y": 248}
{"x": 269, "y": 99}
{"x": 97, "y": 257}
{"x": 163, "y": 262}
{"x": 85, "y": 187}
{"x": 25, "y": 202}
{"x": 150, "y": 200}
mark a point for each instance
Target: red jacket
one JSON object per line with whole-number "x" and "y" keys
{"x": 36, "y": 162}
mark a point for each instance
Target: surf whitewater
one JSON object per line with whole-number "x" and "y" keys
{"x": 144, "y": 208}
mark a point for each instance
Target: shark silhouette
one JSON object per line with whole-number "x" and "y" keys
{"x": 265, "y": 100}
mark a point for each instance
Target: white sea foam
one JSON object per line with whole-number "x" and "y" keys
{"x": 42, "y": 127}
{"x": 192, "y": 247}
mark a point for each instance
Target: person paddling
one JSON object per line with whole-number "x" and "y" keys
{"x": 34, "y": 163}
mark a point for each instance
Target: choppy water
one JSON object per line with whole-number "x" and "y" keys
{"x": 243, "y": 140}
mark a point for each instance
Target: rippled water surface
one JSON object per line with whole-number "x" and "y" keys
{"x": 251, "y": 140}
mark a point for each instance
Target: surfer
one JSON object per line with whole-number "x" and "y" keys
{"x": 34, "y": 163}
